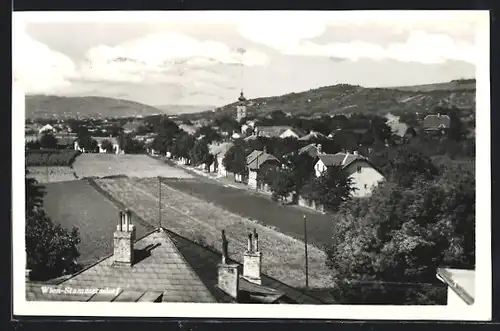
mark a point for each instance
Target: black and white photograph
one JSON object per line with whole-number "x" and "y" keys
{"x": 224, "y": 164}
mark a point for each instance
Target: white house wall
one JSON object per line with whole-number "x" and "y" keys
{"x": 365, "y": 180}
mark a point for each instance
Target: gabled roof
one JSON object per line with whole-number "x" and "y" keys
{"x": 341, "y": 159}
{"x": 438, "y": 121}
{"x": 278, "y": 130}
{"x": 204, "y": 262}
{"x": 313, "y": 135}
{"x": 170, "y": 268}
{"x": 159, "y": 267}
{"x": 257, "y": 158}
{"x": 310, "y": 149}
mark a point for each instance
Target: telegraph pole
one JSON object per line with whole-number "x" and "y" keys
{"x": 305, "y": 247}
{"x": 159, "y": 202}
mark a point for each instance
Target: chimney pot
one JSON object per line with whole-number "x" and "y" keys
{"x": 123, "y": 240}
{"x": 252, "y": 261}
{"x": 249, "y": 242}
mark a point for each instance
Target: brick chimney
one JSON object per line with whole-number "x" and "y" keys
{"x": 252, "y": 259}
{"x": 124, "y": 238}
{"x": 228, "y": 279}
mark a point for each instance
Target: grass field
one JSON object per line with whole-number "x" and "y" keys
{"x": 131, "y": 165}
{"x": 196, "y": 219}
{"x": 51, "y": 174}
{"x": 77, "y": 203}
{"x": 285, "y": 219}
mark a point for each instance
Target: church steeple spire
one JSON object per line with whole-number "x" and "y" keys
{"x": 242, "y": 97}
{"x": 241, "y": 109}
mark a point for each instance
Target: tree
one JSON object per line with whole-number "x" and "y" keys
{"x": 280, "y": 182}
{"x": 331, "y": 189}
{"x": 208, "y": 133}
{"x": 107, "y": 146}
{"x": 408, "y": 164}
{"x": 48, "y": 140}
{"x": 457, "y": 130}
{"x": 166, "y": 132}
{"x": 235, "y": 160}
{"x": 183, "y": 145}
{"x": 87, "y": 142}
{"x": 200, "y": 153}
{"x": 301, "y": 170}
{"x": 403, "y": 233}
{"x": 51, "y": 250}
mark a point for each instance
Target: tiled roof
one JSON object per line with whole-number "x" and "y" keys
{"x": 257, "y": 158}
{"x": 436, "y": 121}
{"x": 159, "y": 266}
{"x": 313, "y": 135}
{"x": 339, "y": 159}
{"x": 204, "y": 262}
{"x": 310, "y": 149}
{"x": 276, "y": 131}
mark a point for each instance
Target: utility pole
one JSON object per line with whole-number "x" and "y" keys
{"x": 305, "y": 246}
{"x": 159, "y": 202}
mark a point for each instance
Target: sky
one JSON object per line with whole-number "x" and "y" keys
{"x": 176, "y": 59}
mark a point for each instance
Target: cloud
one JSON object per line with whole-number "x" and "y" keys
{"x": 281, "y": 34}
{"x": 158, "y": 53}
{"x": 296, "y": 38}
{"x": 38, "y": 68}
{"x": 420, "y": 47}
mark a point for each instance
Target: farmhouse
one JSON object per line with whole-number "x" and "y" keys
{"x": 46, "y": 129}
{"x": 436, "y": 123}
{"x": 164, "y": 267}
{"x": 219, "y": 151}
{"x": 460, "y": 285}
{"x": 279, "y": 132}
{"x": 258, "y": 164}
{"x": 364, "y": 175}
{"x": 312, "y": 150}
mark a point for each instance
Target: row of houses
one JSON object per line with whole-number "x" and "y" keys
{"x": 363, "y": 173}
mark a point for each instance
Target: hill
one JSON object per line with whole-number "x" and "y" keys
{"x": 45, "y": 106}
{"x": 344, "y": 98}
{"x": 184, "y": 109}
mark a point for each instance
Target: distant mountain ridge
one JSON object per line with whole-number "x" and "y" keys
{"x": 345, "y": 98}
{"x": 184, "y": 109}
{"x": 50, "y": 106}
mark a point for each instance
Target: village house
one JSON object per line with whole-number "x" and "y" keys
{"x": 311, "y": 150}
{"x": 313, "y": 135}
{"x": 100, "y": 140}
{"x": 165, "y": 267}
{"x": 461, "y": 285}
{"x": 436, "y": 123}
{"x": 258, "y": 164}
{"x": 190, "y": 129}
{"x": 364, "y": 175}
{"x": 219, "y": 152}
{"x": 47, "y": 128}
{"x": 279, "y": 132}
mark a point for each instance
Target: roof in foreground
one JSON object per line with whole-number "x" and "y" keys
{"x": 462, "y": 281}
{"x": 341, "y": 159}
{"x": 169, "y": 268}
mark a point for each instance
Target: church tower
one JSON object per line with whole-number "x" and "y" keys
{"x": 241, "y": 108}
